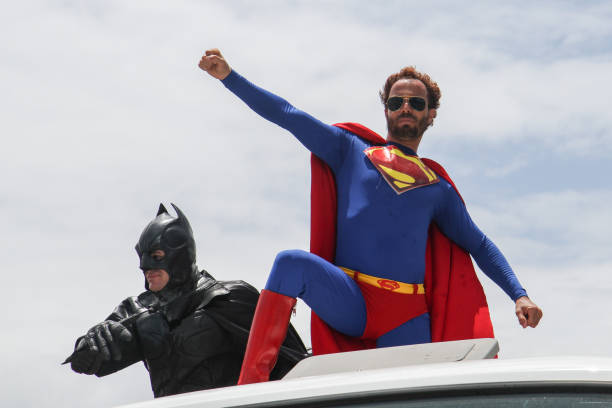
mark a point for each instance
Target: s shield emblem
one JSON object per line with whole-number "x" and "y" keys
{"x": 401, "y": 171}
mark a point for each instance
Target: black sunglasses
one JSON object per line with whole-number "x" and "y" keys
{"x": 416, "y": 102}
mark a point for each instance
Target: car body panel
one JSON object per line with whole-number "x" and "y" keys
{"x": 354, "y": 379}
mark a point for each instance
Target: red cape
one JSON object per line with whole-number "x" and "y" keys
{"x": 455, "y": 298}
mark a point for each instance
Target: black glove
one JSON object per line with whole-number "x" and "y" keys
{"x": 100, "y": 344}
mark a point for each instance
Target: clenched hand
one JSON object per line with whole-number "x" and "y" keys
{"x": 214, "y": 63}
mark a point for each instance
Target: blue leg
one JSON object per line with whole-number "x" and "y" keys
{"x": 324, "y": 287}
{"x": 415, "y": 331}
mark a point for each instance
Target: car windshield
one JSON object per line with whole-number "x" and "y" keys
{"x": 534, "y": 400}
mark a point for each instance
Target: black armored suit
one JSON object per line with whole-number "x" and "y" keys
{"x": 191, "y": 335}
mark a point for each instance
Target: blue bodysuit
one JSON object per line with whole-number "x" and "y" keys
{"x": 379, "y": 232}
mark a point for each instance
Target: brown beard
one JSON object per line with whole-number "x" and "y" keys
{"x": 407, "y": 132}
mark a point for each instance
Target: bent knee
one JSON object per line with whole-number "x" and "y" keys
{"x": 287, "y": 274}
{"x": 291, "y": 258}
{"x": 291, "y": 261}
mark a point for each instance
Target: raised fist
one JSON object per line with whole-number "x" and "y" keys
{"x": 213, "y": 62}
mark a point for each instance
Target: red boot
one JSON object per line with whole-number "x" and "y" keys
{"x": 268, "y": 331}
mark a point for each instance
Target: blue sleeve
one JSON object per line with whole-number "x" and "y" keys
{"x": 455, "y": 222}
{"x": 326, "y": 141}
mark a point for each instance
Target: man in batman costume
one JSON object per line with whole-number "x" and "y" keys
{"x": 189, "y": 329}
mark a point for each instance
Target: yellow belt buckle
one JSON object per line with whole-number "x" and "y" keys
{"x": 387, "y": 284}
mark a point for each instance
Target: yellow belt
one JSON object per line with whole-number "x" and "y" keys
{"x": 388, "y": 284}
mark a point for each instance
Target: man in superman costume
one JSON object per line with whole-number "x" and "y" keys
{"x": 390, "y": 235}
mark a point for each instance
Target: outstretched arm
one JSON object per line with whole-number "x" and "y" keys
{"x": 456, "y": 223}
{"x": 327, "y": 142}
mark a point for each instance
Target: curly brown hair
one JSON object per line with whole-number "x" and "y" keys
{"x": 433, "y": 92}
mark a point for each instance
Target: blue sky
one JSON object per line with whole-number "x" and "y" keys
{"x": 106, "y": 114}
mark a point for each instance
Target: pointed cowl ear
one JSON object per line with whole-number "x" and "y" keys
{"x": 182, "y": 218}
{"x": 162, "y": 209}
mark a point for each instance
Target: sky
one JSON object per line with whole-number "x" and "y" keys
{"x": 105, "y": 114}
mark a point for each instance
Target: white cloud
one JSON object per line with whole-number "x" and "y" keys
{"x": 572, "y": 323}
{"x": 561, "y": 227}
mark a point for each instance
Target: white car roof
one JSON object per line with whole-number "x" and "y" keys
{"x": 421, "y": 368}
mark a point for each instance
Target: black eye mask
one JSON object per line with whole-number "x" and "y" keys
{"x": 174, "y": 237}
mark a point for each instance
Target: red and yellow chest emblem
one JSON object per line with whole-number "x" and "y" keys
{"x": 401, "y": 171}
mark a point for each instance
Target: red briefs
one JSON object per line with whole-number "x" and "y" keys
{"x": 386, "y": 308}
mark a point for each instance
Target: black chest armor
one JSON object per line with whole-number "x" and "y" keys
{"x": 197, "y": 341}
